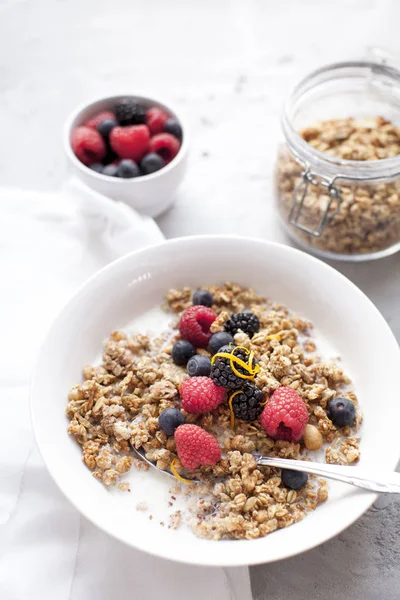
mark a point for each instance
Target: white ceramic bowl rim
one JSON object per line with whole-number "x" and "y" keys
{"x": 294, "y": 539}
{"x": 116, "y": 180}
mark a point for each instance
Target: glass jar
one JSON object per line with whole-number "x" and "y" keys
{"x": 337, "y": 176}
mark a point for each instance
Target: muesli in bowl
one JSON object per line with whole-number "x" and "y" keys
{"x": 233, "y": 376}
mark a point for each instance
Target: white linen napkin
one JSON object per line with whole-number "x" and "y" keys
{"x": 49, "y": 244}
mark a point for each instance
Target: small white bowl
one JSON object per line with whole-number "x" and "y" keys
{"x": 149, "y": 194}
{"x": 346, "y": 324}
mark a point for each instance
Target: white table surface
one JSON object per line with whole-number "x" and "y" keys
{"x": 228, "y": 65}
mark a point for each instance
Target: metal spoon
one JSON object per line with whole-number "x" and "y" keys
{"x": 375, "y": 481}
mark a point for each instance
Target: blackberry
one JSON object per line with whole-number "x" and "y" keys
{"x": 247, "y": 402}
{"x": 245, "y": 321}
{"x": 129, "y": 112}
{"x": 224, "y": 375}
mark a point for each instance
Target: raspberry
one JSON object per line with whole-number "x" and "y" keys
{"x": 88, "y": 145}
{"x": 195, "y": 324}
{"x": 166, "y": 145}
{"x": 95, "y": 121}
{"x": 196, "y": 447}
{"x": 130, "y": 142}
{"x": 200, "y": 395}
{"x": 285, "y": 415}
{"x": 155, "y": 120}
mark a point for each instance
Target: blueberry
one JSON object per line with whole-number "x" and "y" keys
{"x": 111, "y": 170}
{"x": 105, "y": 127}
{"x": 199, "y": 366}
{"x": 182, "y": 351}
{"x": 151, "y": 163}
{"x": 294, "y": 480}
{"x": 174, "y": 128}
{"x": 341, "y": 411}
{"x": 98, "y": 167}
{"x": 219, "y": 339}
{"x": 203, "y": 297}
{"x": 128, "y": 168}
{"x": 169, "y": 419}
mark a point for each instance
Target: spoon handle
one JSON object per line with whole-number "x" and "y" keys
{"x": 381, "y": 481}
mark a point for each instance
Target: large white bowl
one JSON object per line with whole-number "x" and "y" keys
{"x": 346, "y": 322}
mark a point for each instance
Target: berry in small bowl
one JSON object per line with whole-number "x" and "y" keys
{"x": 130, "y": 148}
{"x": 130, "y": 130}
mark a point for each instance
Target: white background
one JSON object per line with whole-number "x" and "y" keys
{"x": 228, "y": 65}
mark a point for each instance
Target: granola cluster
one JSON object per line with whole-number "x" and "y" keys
{"x": 368, "y": 217}
{"x": 117, "y": 405}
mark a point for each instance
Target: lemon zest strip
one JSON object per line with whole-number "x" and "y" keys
{"x": 252, "y": 370}
{"x": 229, "y": 355}
{"x": 220, "y": 355}
{"x": 235, "y": 360}
{"x": 248, "y": 367}
{"x": 241, "y": 375}
{"x": 176, "y": 474}
{"x": 256, "y": 368}
{"x": 232, "y": 358}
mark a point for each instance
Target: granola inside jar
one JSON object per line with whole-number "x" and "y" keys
{"x": 337, "y": 177}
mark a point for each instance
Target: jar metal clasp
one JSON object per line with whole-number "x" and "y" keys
{"x": 299, "y": 197}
